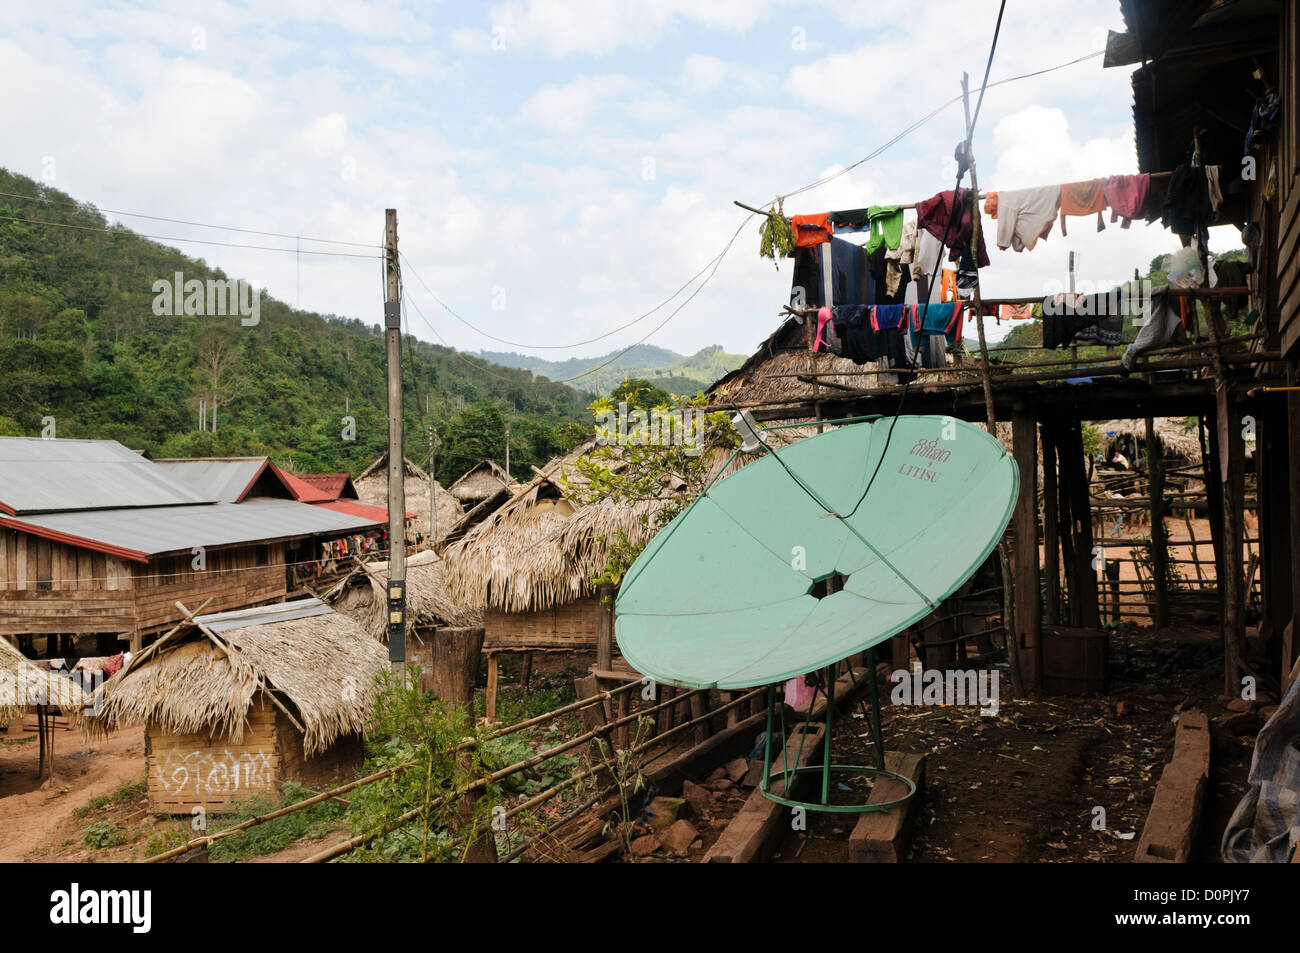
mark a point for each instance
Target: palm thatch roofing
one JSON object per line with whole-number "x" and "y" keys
{"x": 203, "y": 676}
{"x": 541, "y": 547}
{"x": 362, "y": 596}
{"x": 772, "y": 373}
{"x": 24, "y": 682}
{"x": 1174, "y": 435}
{"x": 372, "y": 488}
{"x": 480, "y": 481}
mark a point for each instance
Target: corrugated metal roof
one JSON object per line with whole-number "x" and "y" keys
{"x": 365, "y": 510}
{"x": 225, "y": 480}
{"x": 140, "y": 533}
{"x": 50, "y": 476}
{"x": 264, "y": 615}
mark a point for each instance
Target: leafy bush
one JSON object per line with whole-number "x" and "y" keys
{"x": 103, "y": 834}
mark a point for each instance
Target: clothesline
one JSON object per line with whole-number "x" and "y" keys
{"x": 913, "y": 205}
{"x": 1219, "y": 291}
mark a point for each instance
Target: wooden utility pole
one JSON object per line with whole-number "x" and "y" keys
{"x": 1019, "y": 682}
{"x": 433, "y": 497}
{"x": 1159, "y": 543}
{"x": 396, "y": 460}
{"x": 507, "y": 448}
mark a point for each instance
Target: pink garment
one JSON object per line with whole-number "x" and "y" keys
{"x": 823, "y": 315}
{"x": 798, "y": 693}
{"x": 1126, "y": 195}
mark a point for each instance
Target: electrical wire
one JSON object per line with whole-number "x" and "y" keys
{"x": 166, "y": 238}
{"x": 181, "y": 221}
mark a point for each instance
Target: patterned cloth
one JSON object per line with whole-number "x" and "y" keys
{"x": 1265, "y": 827}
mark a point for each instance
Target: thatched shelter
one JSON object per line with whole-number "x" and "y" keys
{"x": 481, "y": 481}
{"x": 1180, "y": 442}
{"x": 372, "y": 488}
{"x": 24, "y": 683}
{"x": 236, "y": 703}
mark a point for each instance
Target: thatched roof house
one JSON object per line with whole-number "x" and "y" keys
{"x": 24, "y": 682}
{"x": 372, "y": 488}
{"x": 429, "y": 603}
{"x": 481, "y": 481}
{"x": 236, "y": 703}
{"x": 1179, "y": 441}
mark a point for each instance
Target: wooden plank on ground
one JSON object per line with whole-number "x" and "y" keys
{"x": 754, "y": 832}
{"x": 1175, "y": 811}
{"x": 882, "y": 836}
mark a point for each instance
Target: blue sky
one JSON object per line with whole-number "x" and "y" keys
{"x": 558, "y": 167}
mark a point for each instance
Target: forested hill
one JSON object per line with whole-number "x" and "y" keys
{"x": 79, "y": 342}
{"x": 675, "y": 373}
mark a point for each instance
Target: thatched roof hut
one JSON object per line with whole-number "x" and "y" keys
{"x": 372, "y": 488}
{"x": 24, "y": 682}
{"x": 236, "y": 703}
{"x": 1179, "y": 441}
{"x": 361, "y": 596}
{"x": 481, "y": 481}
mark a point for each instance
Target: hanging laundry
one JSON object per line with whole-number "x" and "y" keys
{"x": 1162, "y": 323}
{"x": 1126, "y": 195}
{"x": 850, "y": 220}
{"x": 849, "y": 281}
{"x": 853, "y": 327}
{"x": 824, "y": 335}
{"x": 1212, "y": 183}
{"x": 886, "y": 222}
{"x": 1070, "y": 319}
{"x": 1023, "y": 215}
{"x": 899, "y": 258}
{"x": 1018, "y": 312}
{"x": 1083, "y": 198}
{"x": 810, "y": 230}
{"x": 937, "y": 213}
{"x": 948, "y": 284}
{"x": 888, "y": 322}
{"x": 879, "y": 266}
{"x": 936, "y": 319}
{"x": 1187, "y": 206}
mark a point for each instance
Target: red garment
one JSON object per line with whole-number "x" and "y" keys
{"x": 933, "y": 215}
{"x": 1015, "y": 312}
{"x": 113, "y": 665}
{"x": 811, "y": 230}
{"x": 1126, "y": 195}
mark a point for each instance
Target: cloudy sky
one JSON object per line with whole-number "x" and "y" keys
{"x": 559, "y": 167}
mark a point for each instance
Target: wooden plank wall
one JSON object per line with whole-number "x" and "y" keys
{"x": 188, "y": 771}
{"x": 47, "y": 587}
{"x": 573, "y": 625}
{"x": 339, "y": 762}
{"x": 1288, "y": 174}
{"x": 235, "y": 577}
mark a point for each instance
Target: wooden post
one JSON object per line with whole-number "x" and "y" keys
{"x": 605, "y": 629}
{"x": 1231, "y": 467}
{"x": 456, "y": 654}
{"x": 396, "y": 461}
{"x": 1081, "y": 525}
{"x": 1288, "y": 626}
{"x": 1159, "y": 541}
{"x": 494, "y": 674}
{"x": 526, "y": 671}
{"x": 1028, "y": 621}
{"x": 1051, "y": 538}
{"x": 1004, "y": 553}
{"x": 1065, "y": 529}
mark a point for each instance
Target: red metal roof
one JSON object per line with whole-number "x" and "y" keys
{"x": 363, "y": 510}
{"x": 337, "y": 485}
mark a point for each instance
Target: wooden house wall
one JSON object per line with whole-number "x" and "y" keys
{"x": 198, "y": 770}
{"x": 235, "y": 577}
{"x": 572, "y": 625}
{"x": 47, "y": 588}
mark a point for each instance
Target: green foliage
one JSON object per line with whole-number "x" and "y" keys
{"x": 409, "y": 726}
{"x": 103, "y": 834}
{"x": 279, "y": 832}
{"x": 640, "y": 394}
{"x": 775, "y": 237}
{"x": 79, "y": 341}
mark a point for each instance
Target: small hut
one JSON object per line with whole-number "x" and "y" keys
{"x": 237, "y": 703}
{"x": 480, "y": 482}
{"x": 372, "y": 488}
{"x": 23, "y": 685}
{"x": 1181, "y": 444}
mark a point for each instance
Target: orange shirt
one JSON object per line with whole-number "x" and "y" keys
{"x": 1083, "y": 198}
{"x": 811, "y": 229}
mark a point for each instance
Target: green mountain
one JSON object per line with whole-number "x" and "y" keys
{"x": 80, "y": 343}
{"x": 673, "y": 372}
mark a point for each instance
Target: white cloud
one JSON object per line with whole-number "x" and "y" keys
{"x": 567, "y": 108}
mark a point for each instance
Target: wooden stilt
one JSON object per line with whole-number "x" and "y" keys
{"x": 1231, "y": 472}
{"x": 1066, "y": 532}
{"x": 1051, "y": 537}
{"x": 526, "y": 672}
{"x": 1081, "y": 525}
{"x": 1159, "y": 543}
{"x": 490, "y": 705}
{"x": 1028, "y": 621}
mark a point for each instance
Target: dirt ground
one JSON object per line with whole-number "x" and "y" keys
{"x": 38, "y": 818}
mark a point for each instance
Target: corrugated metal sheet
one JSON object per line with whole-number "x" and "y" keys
{"x": 217, "y": 479}
{"x": 49, "y": 476}
{"x": 364, "y": 510}
{"x": 140, "y": 533}
{"x": 264, "y": 615}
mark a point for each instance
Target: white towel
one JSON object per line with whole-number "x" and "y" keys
{"x": 1024, "y": 214}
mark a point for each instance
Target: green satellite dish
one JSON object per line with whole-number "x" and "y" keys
{"x": 733, "y": 592}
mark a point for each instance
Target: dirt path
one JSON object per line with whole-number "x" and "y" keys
{"x": 34, "y": 813}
